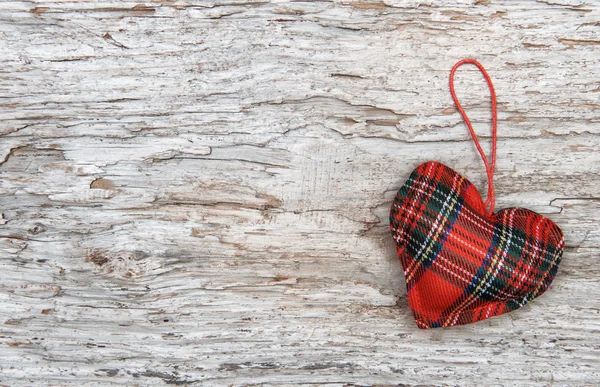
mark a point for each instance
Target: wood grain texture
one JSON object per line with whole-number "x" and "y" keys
{"x": 197, "y": 193}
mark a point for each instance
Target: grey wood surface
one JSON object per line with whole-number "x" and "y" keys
{"x": 197, "y": 193}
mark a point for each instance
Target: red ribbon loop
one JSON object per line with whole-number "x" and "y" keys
{"x": 489, "y": 167}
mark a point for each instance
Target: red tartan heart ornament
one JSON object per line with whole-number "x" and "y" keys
{"x": 462, "y": 262}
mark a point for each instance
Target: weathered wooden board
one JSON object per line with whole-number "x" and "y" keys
{"x": 197, "y": 193}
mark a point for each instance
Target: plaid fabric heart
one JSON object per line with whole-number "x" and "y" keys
{"x": 463, "y": 262}
{"x": 460, "y": 264}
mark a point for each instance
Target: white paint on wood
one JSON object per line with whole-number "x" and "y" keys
{"x": 197, "y": 193}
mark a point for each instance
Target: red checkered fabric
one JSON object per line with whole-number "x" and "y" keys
{"x": 461, "y": 264}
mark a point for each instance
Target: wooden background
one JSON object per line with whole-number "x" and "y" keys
{"x": 197, "y": 193}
